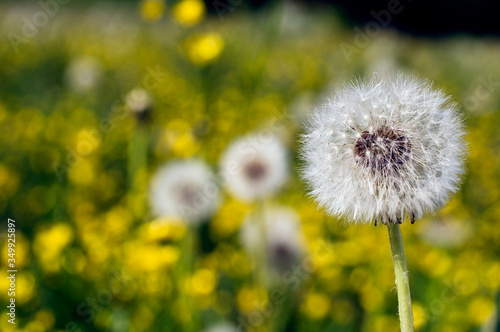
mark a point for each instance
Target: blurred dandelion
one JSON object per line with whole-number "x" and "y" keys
{"x": 385, "y": 149}
{"x": 222, "y": 327}
{"x": 83, "y": 74}
{"x": 285, "y": 242}
{"x": 255, "y": 167}
{"x": 140, "y": 103}
{"x": 446, "y": 233}
{"x": 184, "y": 189}
{"x": 273, "y": 237}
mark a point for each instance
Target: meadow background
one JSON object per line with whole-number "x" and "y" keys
{"x": 75, "y": 167}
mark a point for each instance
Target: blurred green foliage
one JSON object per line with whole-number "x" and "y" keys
{"x": 84, "y": 232}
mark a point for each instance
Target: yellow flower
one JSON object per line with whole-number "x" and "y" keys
{"x": 165, "y": 229}
{"x": 203, "y": 281}
{"x": 189, "y": 12}
{"x": 466, "y": 281}
{"x": 179, "y": 139}
{"x": 384, "y": 324}
{"x": 316, "y": 305}
{"x": 49, "y": 243}
{"x": 9, "y": 180}
{"x": 480, "y": 309}
{"x": 25, "y": 287}
{"x": 493, "y": 275}
{"x": 152, "y": 10}
{"x": 419, "y": 316}
{"x": 251, "y": 299}
{"x": 229, "y": 218}
{"x": 150, "y": 257}
{"x": 83, "y": 173}
{"x": 117, "y": 222}
{"x": 204, "y": 49}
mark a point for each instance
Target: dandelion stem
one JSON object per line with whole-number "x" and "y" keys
{"x": 263, "y": 250}
{"x": 136, "y": 168}
{"x": 402, "y": 280}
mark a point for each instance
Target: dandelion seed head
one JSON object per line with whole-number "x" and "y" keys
{"x": 384, "y": 149}
{"x": 255, "y": 166}
{"x": 184, "y": 189}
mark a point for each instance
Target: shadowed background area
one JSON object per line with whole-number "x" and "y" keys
{"x": 121, "y": 123}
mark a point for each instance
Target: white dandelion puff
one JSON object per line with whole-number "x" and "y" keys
{"x": 382, "y": 149}
{"x": 184, "y": 189}
{"x": 255, "y": 166}
{"x": 83, "y": 74}
{"x": 283, "y": 238}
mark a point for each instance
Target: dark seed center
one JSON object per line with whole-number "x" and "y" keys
{"x": 189, "y": 195}
{"x": 282, "y": 256}
{"x": 382, "y": 151}
{"x": 255, "y": 171}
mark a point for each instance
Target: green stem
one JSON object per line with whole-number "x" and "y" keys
{"x": 262, "y": 259}
{"x": 402, "y": 282}
{"x": 137, "y": 164}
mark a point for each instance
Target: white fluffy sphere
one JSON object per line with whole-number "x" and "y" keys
{"x": 255, "y": 166}
{"x": 384, "y": 149}
{"x": 184, "y": 189}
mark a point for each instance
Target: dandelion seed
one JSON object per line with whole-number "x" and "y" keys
{"x": 394, "y": 149}
{"x": 184, "y": 189}
{"x": 255, "y": 167}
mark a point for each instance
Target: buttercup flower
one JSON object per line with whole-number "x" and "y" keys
{"x": 255, "y": 166}
{"x": 184, "y": 189}
{"x": 384, "y": 149}
{"x": 284, "y": 241}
